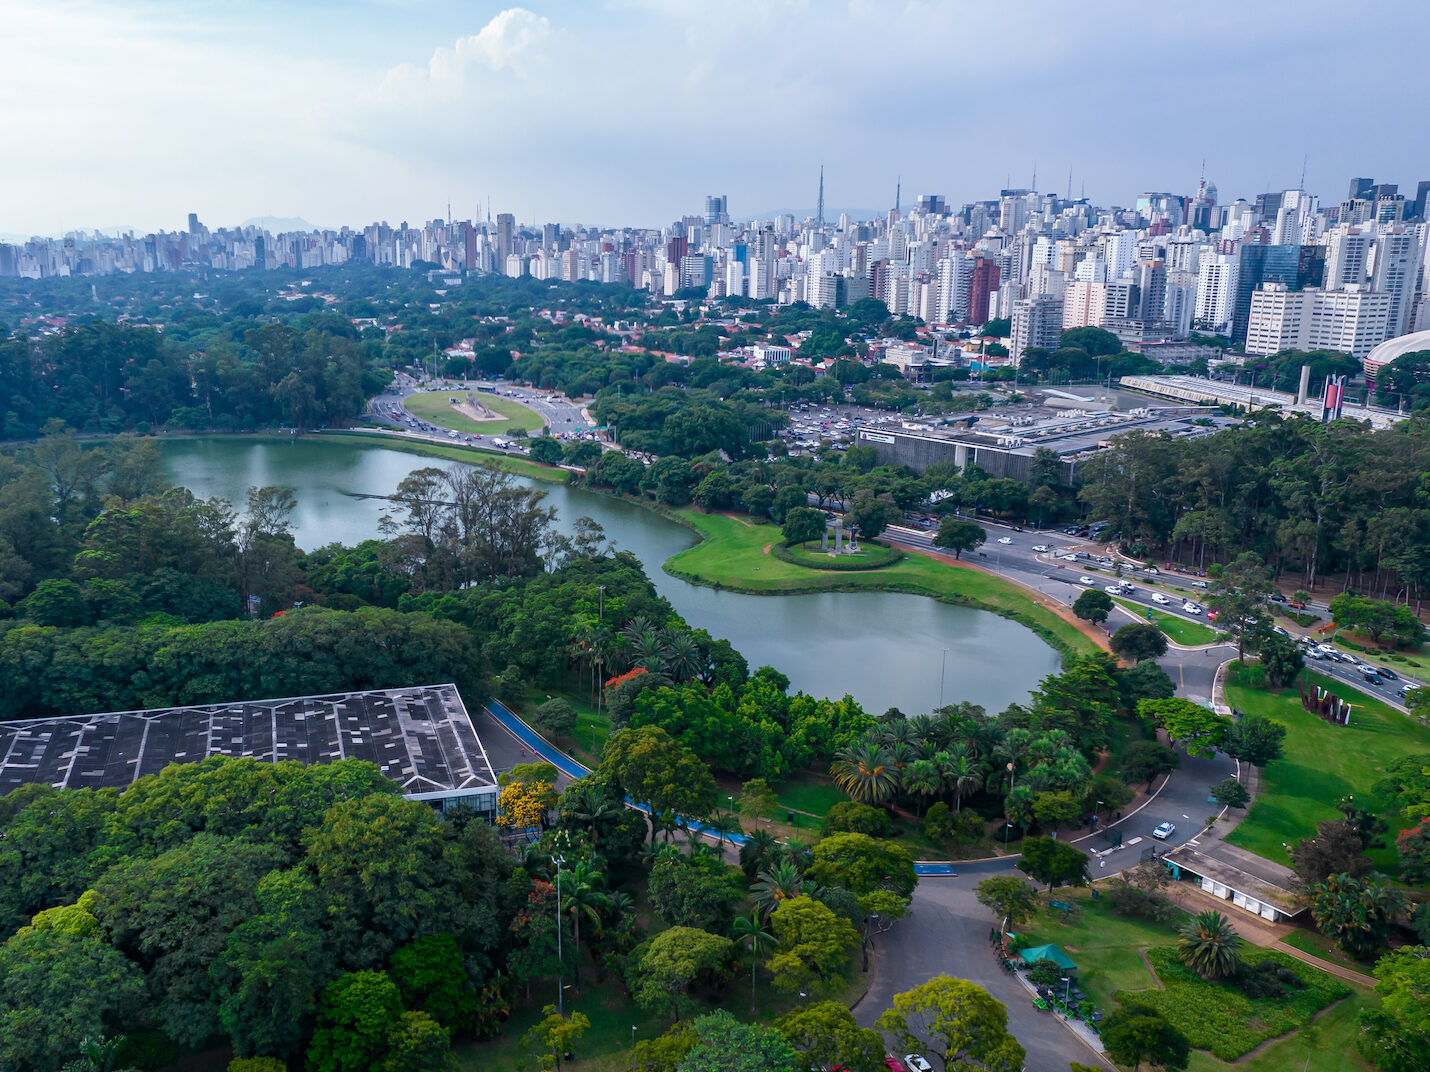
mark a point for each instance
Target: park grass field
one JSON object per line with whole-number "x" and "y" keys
{"x": 1178, "y": 630}
{"x": 436, "y": 406}
{"x": 495, "y": 459}
{"x": 1108, "y": 949}
{"x": 731, "y": 554}
{"x": 1322, "y": 764}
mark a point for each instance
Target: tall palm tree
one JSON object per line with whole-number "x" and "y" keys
{"x": 722, "y": 824}
{"x": 962, "y": 774}
{"x": 583, "y": 649}
{"x": 757, "y": 851}
{"x": 1209, "y": 945}
{"x": 591, "y": 807}
{"x": 619, "y": 905}
{"x": 899, "y": 731}
{"x": 865, "y": 773}
{"x": 753, "y": 928}
{"x": 636, "y": 628}
{"x": 649, "y": 652}
{"x": 581, "y": 895}
{"x": 683, "y": 655}
{"x": 782, "y": 882}
{"x": 923, "y": 781}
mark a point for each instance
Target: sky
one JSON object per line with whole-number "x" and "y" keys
{"x": 628, "y": 112}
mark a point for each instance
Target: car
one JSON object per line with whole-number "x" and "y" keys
{"x": 1113, "y": 589}
{"x": 1151, "y": 569}
{"x": 1314, "y": 653}
{"x": 1372, "y": 678}
{"x": 1069, "y": 558}
{"x": 1085, "y": 579}
{"x": 1041, "y": 548}
{"x": 1158, "y": 597}
{"x": 1211, "y": 615}
{"x": 1290, "y": 603}
{"x": 1191, "y": 608}
{"x": 1199, "y": 584}
{"x": 1383, "y": 672}
{"x": 1164, "y": 831}
{"x": 1407, "y": 689}
{"x": 893, "y": 1064}
{"x": 1105, "y": 560}
{"x": 1005, "y": 539}
{"x": 917, "y": 1062}
{"x": 1276, "y": 597}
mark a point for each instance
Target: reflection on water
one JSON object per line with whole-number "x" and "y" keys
{"x": 884, "y": 648}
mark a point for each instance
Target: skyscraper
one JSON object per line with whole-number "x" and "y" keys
{"x": 715, "y": 209}
{"x": 506, "y": 236}
{"x": 1295, "y": 265}
{"x": 984, "y": 282}
{"x": 1036, "y": 322}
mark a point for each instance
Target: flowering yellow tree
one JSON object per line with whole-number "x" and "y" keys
{"x": 525, "y": 804}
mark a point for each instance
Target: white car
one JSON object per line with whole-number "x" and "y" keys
{"x": 1005, "y": 539}
{"x": 1164, "y": 831}
{"x": 1158, "y": 597}
{"x": 1069, "y": 558}
{"x": 1113, "y": 589}
{"x": 1041, "y": 548}
{"x": 1085, "y": 579}
{"x": 1151, "y": 569}
{"x": 1191, "y": 608}
{"x": 917, "y": 1062}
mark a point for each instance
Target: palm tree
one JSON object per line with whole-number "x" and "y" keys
{"x": 864, "y": 773}
{"x": 650, "y": 652}
{"x": 781, "y": 882}
{"x": 962, "y": 775}
{"x": 636, "y": 628}
{"x": 753, "y": 928}
{"x": 899, "y": 731}
{"x": 922, "y": 780}
{"x": 722, "y": 825}
{"x": 1209, "y": 946}
{"x": 591, "y": 807}
{"x": 581, "y": 895}
{"x": 683, "y": 655}
{"x": 619, "y": 905}
{"x": 757, "y": 851}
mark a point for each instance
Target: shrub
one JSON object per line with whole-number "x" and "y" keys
{"x": 938, "y": 823}
{"x": 851, "y": 817}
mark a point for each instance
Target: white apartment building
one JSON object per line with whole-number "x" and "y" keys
{"x": 1036, "y": 322}
{"x": 1350, "y": 321}
{"x": 1084, "y": 304}
{"x": 1216, "y": 290}
{"x": 1398, "y": 253}
{"x": 1347, "y": 257}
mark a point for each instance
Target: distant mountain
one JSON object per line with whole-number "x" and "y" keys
{"x": 278, "y": 224}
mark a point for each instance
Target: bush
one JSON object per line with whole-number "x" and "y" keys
{"x": 849, "y": 817}
{"x": 1267, "y": 979}
{"x": 938, "y": 823}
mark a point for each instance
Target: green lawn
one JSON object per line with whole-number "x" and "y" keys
{"x": 1178, "y": 630}
{"x": 458, "y": 453}
{"x": 871, "y": 555}
{"x": 1105, "y": 946}
{"x": 732, "y": 555}
{"x": 1321, "y": 765}
{"x": 436, "y": 406}
{"x": 811, "y": 792}
{"x": 1318, "y": 945}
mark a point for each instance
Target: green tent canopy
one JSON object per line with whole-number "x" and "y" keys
{"x": 1035, "y": 953}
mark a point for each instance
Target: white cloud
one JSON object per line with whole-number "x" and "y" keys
{"x": 511, "y": 43}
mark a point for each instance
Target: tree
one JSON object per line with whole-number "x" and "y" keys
{"x": 556, "y": 717}
{"x": 751, "y": 928}
{"x": 1230, "y": 793}
{"x": 1358, "y": 915}
{"x": 1254, "y": 739}
{"x": 432, "y": 978}
{"x": 1199, "y": 730}
{"x": 1145, "y": 760}
{"x": 863, "y": 864}
{"x": 1336, "y": 849}
{"x": 1413, "y": 847}
{"x": 1139, "y": 642}
{"x": 58, "y": 989}
{"x": 1010, "y": 898}
{"x": 555, "y": 1034}
{"x": 1053, "y": 862}
{"x": 802, "y": 524}
{"x": 660, "y": 773}
{"x": 814, "y": 944}
{"x": 869, "y": 514}
{"x": 1092, "y": 605}
{"x": 356, "y": 1014}
{"x": 525, "y": 805}
{"x": 1396, "y": 1037}
{"x": 1377, "y": 618}
{"x": 1135, "y": 1033}
{"x": 959, "y": 536}
{"x": 673, "y": 961}
{"x": 1282, "y": 658}
{"x": 1208, "y": 945}
{"x": 865, "y": 772}
{"x": 723, "y": 1044}
{"x": 664, "y": 1052}
{"x": 545, "y": 450}
{"x": 695, "y": 891}
{"x": 1239, "y": 592}
{"x": 827, "y": 1036}
{"x": 962, "y": 1023}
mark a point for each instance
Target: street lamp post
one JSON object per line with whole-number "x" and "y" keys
{"x": 600, "y": 603}
{"x": 1065, "y": 995}
{"x": 1006, "y": 827}
{"x": 561, "y": 973}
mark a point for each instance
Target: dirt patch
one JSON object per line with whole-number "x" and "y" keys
{"x": 766, "y": 549}
{"x": 1157, "y": 983}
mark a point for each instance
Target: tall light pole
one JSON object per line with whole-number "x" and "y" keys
{"x": 561, "y": 970}
{"x": 600, "y": 603}
{"x": 1065, "y": 995}
{"x": 942, "y": 666}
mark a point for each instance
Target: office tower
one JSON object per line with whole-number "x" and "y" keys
{"x": 1347, "y": 257}
{"x": 1216, "y": 291}
{"x": 1120, "y": 300}
{"x": 984, "y": 281}
{"x": 1359, "y": 188}
{"x": 1398, "y": 253}
{"x": 715, "y": 211}
{"x": 506, "y": 237}
{"x": 1297, "y": 266}
{"x": 1036, "y": 322}
{"x": 1422, "y": 196}
{"x": 676, "y": 248}
{"x": 1151, "y": 279}
{"x": 932, "y": 205}
{"x": 550, "y": 236}
{"x": 1268, "y": 205}
{"x": 194, "y": 225}
{"x": 469, "y": 246}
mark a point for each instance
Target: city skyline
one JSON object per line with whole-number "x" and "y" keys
{"x": 625, "y": 113}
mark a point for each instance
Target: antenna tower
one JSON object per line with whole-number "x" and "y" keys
{"x": 820, "y": 214}
{"x": 898, "y": 192}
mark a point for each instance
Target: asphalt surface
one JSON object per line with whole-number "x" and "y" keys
{"x": 389, "y": 409}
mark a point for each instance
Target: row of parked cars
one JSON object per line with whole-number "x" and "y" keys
{"x": 1373, "y": 675}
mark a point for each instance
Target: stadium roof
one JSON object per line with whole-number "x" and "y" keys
{"x": 421, "y": 737}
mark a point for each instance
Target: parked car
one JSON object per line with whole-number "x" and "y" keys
{"x": 917, "y": 1062}
{"x": 893, "y": 1064}
{"x": 1164, "y": 831}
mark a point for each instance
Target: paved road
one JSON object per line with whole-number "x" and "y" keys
{"x": 947, "y": 933}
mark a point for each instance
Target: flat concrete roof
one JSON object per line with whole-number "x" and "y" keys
{"x": 1244, "y": 872}
{"x": 420, "y": 737}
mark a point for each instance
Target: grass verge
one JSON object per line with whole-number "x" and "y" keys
{"x": 494, "y": 459}
{"x": 1321, "y": 764}
{"x": 731, "y": 554}
{"x": 1178, "y": 630}
{"x": 436, "y": 407}
{"x": 871, "y": 555}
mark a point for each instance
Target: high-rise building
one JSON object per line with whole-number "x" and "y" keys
{"x": 1297, "y": 266}
{"x": 194, "y": 225}
{"x": 1036, "y": 322}
{"x": 1347, "y": 257}
{"x": 1422, "y": 199}
{"x": 1351, "y": 321}
{"x": 1398, "y": 253}
{"x": 506, "y": 237}
{"x": 984, "y": 281}
{"x": 715, "y": 209}
{"x": 1359, "y": 188}
{"x": 1216, "y": 291}
{"x": 1084, "y": 304}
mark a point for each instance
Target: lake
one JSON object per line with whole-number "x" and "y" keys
{"x": 883, "y": 648}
